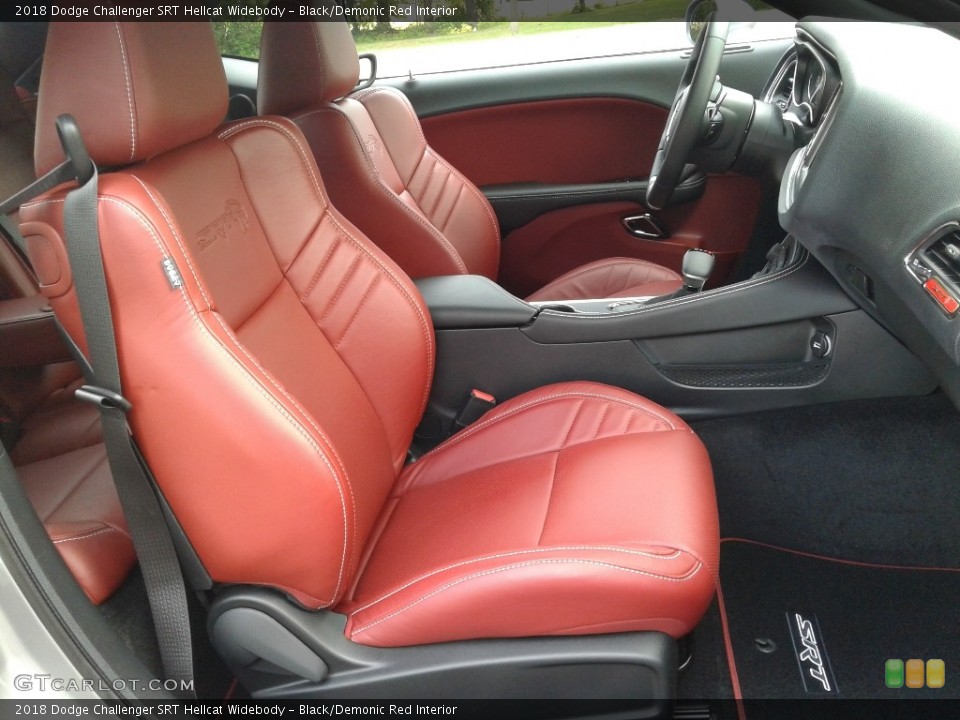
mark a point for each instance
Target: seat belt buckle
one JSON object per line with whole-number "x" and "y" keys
{"x": 476, "y": 405}
{"x": 101, "y": 397}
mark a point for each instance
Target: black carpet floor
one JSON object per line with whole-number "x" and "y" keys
{"x": 872, "y": 480}
{"x": 128, "y": 612}
{"x": 706, "y": 676}
{"x": 862, "y": 615}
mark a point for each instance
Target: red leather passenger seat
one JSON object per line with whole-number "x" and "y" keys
{"x": 381, "y": 173}
{"x": 278, "y": 362}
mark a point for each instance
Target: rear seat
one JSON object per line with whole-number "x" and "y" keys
{"x": 59, "y": 453}
{"x": 60, "y": 424}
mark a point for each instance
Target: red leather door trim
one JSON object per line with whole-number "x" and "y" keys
{"x": 586, "y": 140}
{"x": 555, "y": 243}
{"x": 580, "y": 140}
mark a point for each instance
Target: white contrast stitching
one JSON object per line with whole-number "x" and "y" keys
{"x": 474, "y": 576}
{"x": 277, "y": 386}
{"x": 84, "y": 536}
{"x": 375, "y": 174}
{"x": 405, "y": 101}
{"x": 41, "y": 203}
{"x": 257, "y": 385}
{"x": 654, "y": 556}
{"x": 413, "y": 304}
{"x": 126, "y": 79}
{"x": 532, "y": 403}
{"x": 262, "y": 122}
{"x": 316, "y": 184}
{"x": 484, "y": 203}
{"x": 176, "y": 236}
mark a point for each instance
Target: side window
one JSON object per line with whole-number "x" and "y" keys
{"x": 431, "y": 36}
{"x": 239, "y": 39}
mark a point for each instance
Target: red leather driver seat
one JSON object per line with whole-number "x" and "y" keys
{"x": 277, "y": 376}
{"x": 383, "y": 176}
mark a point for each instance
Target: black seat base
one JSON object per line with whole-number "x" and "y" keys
{"x": 278, "y": 650}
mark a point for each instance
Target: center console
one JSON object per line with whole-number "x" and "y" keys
{"x": 787, "y": 336}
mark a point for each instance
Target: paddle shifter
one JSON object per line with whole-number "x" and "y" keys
{"x": 696, "y": 268}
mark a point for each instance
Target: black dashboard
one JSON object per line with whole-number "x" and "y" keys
{"x": 874, "y": 190}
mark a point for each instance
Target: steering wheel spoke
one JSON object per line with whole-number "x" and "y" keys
{"x": 686, "y": 123}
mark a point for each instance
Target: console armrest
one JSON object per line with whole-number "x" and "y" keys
{"x": 28, "y": 333}
{"x": 472, "y": 301}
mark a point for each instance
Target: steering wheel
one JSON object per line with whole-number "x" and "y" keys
{"x": 685, "y": 124}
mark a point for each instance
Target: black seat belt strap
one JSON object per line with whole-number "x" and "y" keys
{"x": 62, "y": 173}
{"x": 162, "y": 574}
{"x": 11, "y": 233}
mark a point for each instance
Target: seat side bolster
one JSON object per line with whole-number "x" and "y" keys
{"x": 451, "y": 202}
{"x": 359, "y": 191}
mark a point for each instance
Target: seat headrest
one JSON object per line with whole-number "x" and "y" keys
{"x": 135, "y": 89}
{"x": 303, "y": 65}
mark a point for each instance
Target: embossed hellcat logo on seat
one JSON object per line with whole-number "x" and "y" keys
{"x": 234, "y": 219}
{"x": 373, "y": 146}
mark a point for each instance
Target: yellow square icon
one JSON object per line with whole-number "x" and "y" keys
{"x": 914, "y": 673}
{"x": 936, "y": 673}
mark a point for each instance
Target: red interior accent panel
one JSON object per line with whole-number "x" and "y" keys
{"x": 28, "y": 333}
{"x": 943, "y": 298}
{"x": 557, "y": 242}
{"x": 720, "y": 221}
{"x": 579, "y": 140}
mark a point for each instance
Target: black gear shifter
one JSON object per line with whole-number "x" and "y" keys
{"x": 696, "y": 268}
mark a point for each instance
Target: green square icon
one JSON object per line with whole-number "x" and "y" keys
{"x": 893, "y": 673}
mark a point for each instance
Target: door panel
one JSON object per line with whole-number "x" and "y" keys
{"x": 581, "y": 122}
{"x": 518, "y": 204}
{"x": 575, "y": 140}
{"x": 556, "y": 242}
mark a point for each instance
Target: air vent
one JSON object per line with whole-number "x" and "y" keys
{"x": 936, "y": 266}
{"x": 780, "y": 91}
{"x": 786, "y": 90}
{"x": 943, "y": 256}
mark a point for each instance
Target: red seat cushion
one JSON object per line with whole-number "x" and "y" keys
{"x": 576, "y": 508}
{"x": 60, "y": 424}
{"x": 62, "y": 464}
{"x": 75, "y": 497}
{"x": 613, "y": 278}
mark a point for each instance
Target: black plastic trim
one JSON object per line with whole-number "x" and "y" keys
{"x": 650, "y": 77}
{"x": 472, "y": 301}
{"x": 778, "y": 375}
{"x": 803, "y": 290}
{"x": 639, "y": 666}
{"x": 518, "y": 204}
{"x": 506, "y": 362}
